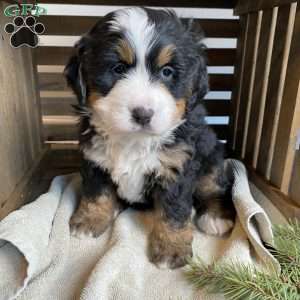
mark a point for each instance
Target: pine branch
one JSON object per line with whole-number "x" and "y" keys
{"x": 239, "y": 282}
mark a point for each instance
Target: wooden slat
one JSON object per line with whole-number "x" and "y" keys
{"x": 295, "y": 180}
{"x": 246, "y": 6}
{"x": 70, "y": 25}
{"x": 254, "y": 24}
{"x": 23, "y": 190}
{"x": 51, "y": 81}
{"x": 37, "y": 181}
{"x": 61, "y": 55}
{"x": 53, "y": 55}
{"x": 281, "y": 49}
{"x": 221, "y": 82}
{"x": 168, "y": 3}
{"x": 20, "y": 132}
{"x": 289, "y": 119}
{"x": 260, "y": 85}
{"x": 218, "y": 107}
{"x": 60, "y": 132}
{"x": 238, "y": 80}
{"x": 58, "y": 106}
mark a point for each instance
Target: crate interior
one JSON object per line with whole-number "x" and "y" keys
{"x": 253, "y": 103}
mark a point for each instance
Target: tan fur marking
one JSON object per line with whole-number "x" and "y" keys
{"x": 125, "y": 51}
{"x": 94, "y": 97}
{"x": 170, "y": 245}
{"x": 94, "y": 217}
{"x": 208, "y": 185}
{"x": 173, "y": 159}
{"x": 180, "y": 108}
{"x": 165, "y": 55}
{"x": 216, "y": 209}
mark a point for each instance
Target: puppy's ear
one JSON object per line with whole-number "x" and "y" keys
{"x": 194, "y": 29}
{"x": 74, "y": 73}
{"x": 200, "y": 76}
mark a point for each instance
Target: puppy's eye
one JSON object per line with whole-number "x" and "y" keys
{"x": 167, "y": 72}
{"x": 120, "y": 68}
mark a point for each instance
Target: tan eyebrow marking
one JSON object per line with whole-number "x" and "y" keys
{"x": 165, "y": 55}
{"x": 125, "y": 51}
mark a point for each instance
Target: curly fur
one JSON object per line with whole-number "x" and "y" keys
{"x": 166, "y": 167}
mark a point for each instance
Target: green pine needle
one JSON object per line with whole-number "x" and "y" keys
{"x": 240, "y": 282}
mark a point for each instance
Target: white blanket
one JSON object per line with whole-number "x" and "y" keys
{"x": 40, "y": 260}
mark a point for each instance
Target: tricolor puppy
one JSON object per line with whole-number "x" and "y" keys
{"x": 140, "y": 77}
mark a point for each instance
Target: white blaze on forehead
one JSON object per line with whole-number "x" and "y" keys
{"x": 138, "y": 29}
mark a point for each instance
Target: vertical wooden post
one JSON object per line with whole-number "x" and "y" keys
{"x": 20, "y": 117}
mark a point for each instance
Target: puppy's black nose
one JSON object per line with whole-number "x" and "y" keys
{"x": 142, "y": 115}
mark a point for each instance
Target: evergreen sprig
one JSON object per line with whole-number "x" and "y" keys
{"x": 239, "y": 282}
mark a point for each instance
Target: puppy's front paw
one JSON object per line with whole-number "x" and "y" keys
{"x": 213, "y": 224}
{"x": 83, "y": 225}
{"x": 91, "y": 219}
{"x": 170, "y": 248}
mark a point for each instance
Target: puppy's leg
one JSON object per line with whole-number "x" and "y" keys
{"x": 94, "y": 215}
{"x": 99, "y": 204}
{"x": 170, "y": 242}
{"x": 216, "y": 218}
{"x": 213, "y": 203}
{"x": 170, "y": 245}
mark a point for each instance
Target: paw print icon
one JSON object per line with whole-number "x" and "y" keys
{"x": 24, "y": 31}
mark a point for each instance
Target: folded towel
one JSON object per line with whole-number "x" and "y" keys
{"x": 40, "y": 260}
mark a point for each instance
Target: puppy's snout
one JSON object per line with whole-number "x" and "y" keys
{"x": 142, "y": 116}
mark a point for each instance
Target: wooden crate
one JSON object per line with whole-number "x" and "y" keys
{"x": 266, "y": 121}
{"x": 264, "y": 110}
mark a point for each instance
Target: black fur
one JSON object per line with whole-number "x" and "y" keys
{"x": 92, "y": 63}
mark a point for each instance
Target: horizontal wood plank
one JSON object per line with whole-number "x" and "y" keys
{"x": 57, "y": 82}
{"x": 61, "y": 55}
{"x": 246, "y": 6}
{"x": 58, "y": 106}
{"x": 168, "y": 3}
{"x": 60, "y": 132}
{"x": 62, "y": 25}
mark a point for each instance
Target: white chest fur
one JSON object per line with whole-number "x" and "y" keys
{"x": 127, "y": 160}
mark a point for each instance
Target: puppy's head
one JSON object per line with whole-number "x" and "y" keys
{"x": 136, "y": 71}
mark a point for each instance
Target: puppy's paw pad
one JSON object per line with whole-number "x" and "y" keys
{"x": 214, "y": 225}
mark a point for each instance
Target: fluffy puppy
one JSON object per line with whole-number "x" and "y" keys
{"x": 140, "y": 77}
